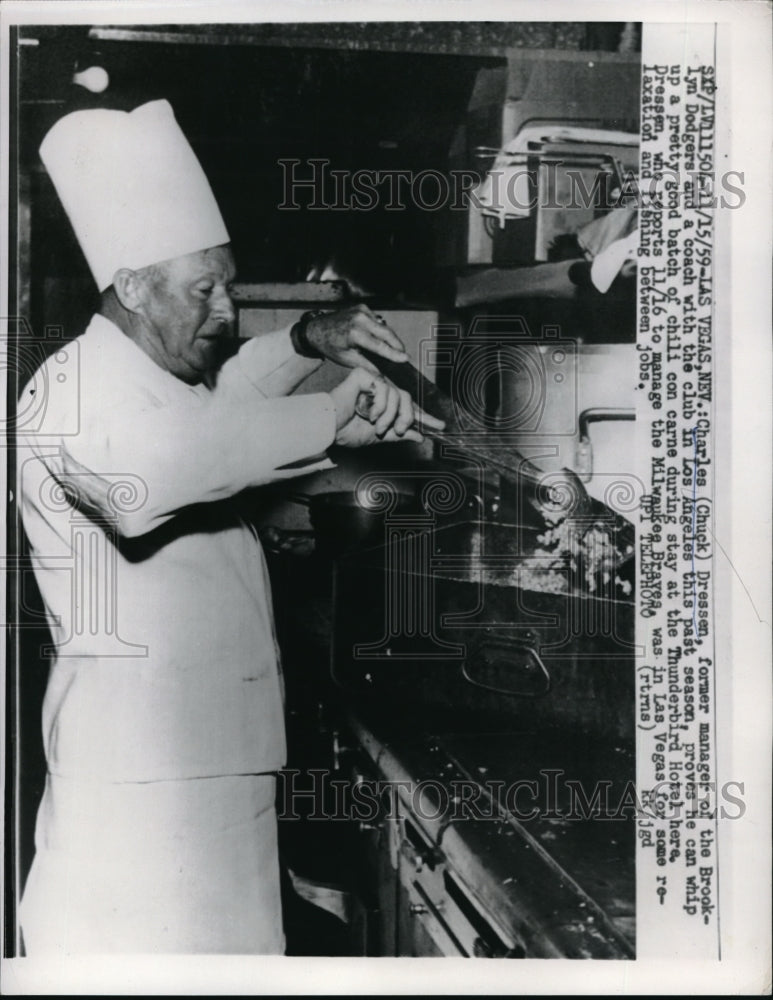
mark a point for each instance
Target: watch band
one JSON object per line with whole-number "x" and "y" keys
{"x": 300, "y": 338}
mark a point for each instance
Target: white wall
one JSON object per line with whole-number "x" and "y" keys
{"x": 594, "y": 375}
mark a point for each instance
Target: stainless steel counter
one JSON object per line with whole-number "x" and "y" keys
{"x": 475, "y": 879}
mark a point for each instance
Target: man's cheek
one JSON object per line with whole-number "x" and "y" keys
{"x": 204, "y": 322}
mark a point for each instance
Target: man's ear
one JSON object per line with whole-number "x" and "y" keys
{"x": 129, "y": 289}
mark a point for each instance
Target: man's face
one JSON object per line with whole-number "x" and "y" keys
{"x": 188, "y": 311}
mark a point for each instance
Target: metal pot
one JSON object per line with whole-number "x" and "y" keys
{"x": 345, "y": 521}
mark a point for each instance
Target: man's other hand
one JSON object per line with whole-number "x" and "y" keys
{"x": 340, "y": 335}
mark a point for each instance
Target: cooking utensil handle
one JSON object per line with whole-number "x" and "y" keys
{"x": 542, "y": 673}
{"x": 426, "y": 394}
{"x": 508, "y": 461}
{"x": 524, "y": 468}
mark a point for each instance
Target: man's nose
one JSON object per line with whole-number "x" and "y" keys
{"x": 223, "y": 308}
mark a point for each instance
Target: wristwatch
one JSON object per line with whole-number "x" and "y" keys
{"x": 300, "y": 337}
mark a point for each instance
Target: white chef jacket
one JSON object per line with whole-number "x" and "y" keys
{"x": 165, "y": 657}
{"x": 155, "y": 867}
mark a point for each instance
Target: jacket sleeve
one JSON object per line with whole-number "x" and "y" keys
{"x": 177, "y": 456}
{"x": 269, "y": 364}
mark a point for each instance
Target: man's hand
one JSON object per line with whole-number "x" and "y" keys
{"x": 389, "y": 412}
{"x": 340, "y": 335}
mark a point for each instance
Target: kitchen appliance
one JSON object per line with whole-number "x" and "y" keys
{"x": 444, "y": 626}
{"x": 475, "y": 667}
{"x": 507, "y": 623}
{"x": 479, "y": 848}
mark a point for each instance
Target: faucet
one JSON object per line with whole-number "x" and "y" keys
{"x": 583, "y": 456}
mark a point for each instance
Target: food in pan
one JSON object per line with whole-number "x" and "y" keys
{"x": 586, "y": 553}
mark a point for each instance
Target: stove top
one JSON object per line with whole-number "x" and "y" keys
{"x": 543, "y": 821}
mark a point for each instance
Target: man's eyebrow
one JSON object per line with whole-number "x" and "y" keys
{"x": 215, "y": 271}
{"x": 211, "y": 274}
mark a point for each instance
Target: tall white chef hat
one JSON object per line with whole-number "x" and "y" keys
{"x": 132, "y": 187}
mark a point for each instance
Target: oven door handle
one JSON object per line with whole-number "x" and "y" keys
{"x": 540, "y": 671}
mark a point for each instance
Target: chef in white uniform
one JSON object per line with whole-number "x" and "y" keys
{"x": 163, "y": 717}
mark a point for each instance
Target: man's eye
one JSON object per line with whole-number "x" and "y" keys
{"x": 204, "y": 290}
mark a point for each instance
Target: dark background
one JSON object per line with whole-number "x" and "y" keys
{"x": 362, "y": 96}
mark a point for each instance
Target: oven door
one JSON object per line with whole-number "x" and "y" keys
{"x": 438, "y": 647}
